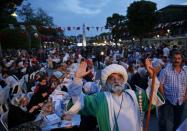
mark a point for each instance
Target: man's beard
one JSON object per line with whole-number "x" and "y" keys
{"x": 115, "y": 88}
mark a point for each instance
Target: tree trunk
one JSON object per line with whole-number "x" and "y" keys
{"x": 141, "y": 41}
{"x": 1, "y": 54}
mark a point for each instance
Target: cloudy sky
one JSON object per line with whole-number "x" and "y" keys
{"x": 90, "y": 12}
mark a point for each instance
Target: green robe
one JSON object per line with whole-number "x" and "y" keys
{"x": 96, "y": 105}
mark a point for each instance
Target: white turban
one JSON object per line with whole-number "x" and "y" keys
{"x": 113, "y": 68}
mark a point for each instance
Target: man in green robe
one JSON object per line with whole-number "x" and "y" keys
{"x": 116, "y": 109}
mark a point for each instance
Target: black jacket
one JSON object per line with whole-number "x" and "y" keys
{"x": 17, "y": 116}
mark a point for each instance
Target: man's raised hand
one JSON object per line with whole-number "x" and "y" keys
{"x": 81, "y": 71}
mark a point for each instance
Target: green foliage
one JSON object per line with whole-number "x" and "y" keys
{"x": 117, "y": 24}
{"x": 8, "y": 19}
{"x": 42, "y": 18}
{"x": 142, "y": 18}
{"x": 14, "y": 39}
{"x": 7, "y": 7}
{"x": 35, "y": 42}
{"x": 17, "y": 38}
{"x": 26, "y": 13}
{"x": 38, "y": 17}
{"x": 104, "y": 34}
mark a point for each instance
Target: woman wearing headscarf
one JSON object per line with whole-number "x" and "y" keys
{"x": 18, "y": 112}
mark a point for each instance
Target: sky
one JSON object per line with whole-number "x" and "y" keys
{"x": 92, "y": 13}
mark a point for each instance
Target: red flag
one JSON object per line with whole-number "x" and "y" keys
{"x": 59, "y": 29}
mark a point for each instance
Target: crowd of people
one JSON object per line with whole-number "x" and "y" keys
{"x": 108, "y": 86}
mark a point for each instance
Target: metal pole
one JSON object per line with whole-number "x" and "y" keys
{"x": 29, "y": 38}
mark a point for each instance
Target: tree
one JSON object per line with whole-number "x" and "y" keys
{"x": 14, "y": 39}
{"x": 26, "y": 13}
{"x": 117, "y": 24}
{"x": 142, "y": 18}
{"x": 7, "y": 7}
{"x": 42, "y": 18}
{"x": 17, "y": 38}
{"x": 38, "y": 17}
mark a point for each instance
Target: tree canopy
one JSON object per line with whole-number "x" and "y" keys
{"x": 7, "y": 7}
{"x": 117, "y": 24}
{"x": 35, "y": 17}
{"x": 142, "y": 18}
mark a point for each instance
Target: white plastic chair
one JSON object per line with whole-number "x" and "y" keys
{"x": 4, "y": 120}
{"x": 30, "y": 94}
{"x": 3, "y": 108}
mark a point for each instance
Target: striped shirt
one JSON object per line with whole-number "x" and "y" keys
{"x": 175, "y": 84}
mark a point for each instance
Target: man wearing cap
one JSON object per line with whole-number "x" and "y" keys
{"x": 116, "y": 109}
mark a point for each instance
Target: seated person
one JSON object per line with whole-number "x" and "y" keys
{"x": 18, "y": 112}
{"x": 39, "y": 97}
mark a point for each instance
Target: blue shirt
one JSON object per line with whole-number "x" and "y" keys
{"x": 175, "y": 84}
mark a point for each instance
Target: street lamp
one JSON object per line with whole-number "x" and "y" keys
{"x": 158, "y": 36}
{"x": 168, "y": 31}
{"x": 36, "y": 35}
{"x": 133, "y": 39}
{"x": 14, "y": 14}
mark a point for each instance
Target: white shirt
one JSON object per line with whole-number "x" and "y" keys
{"x": 166, "y": 51}
{"x": 11, "y": 81}
{"x": 128, "y": 119}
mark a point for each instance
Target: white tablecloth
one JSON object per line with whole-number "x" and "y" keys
{"x": 61, "y": 124}
{"x": 183, "y": 126}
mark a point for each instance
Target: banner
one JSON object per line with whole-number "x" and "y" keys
{"x": 58, "y": 29}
